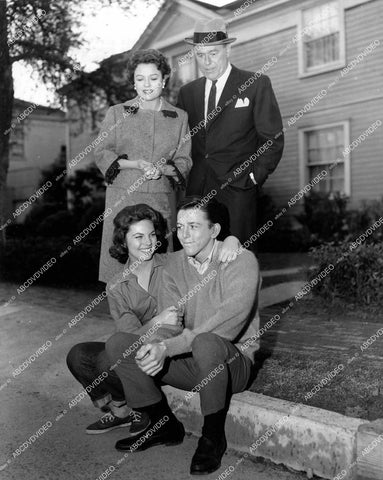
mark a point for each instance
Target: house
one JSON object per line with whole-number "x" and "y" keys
{"x": 37, "y": 137}
{"x": 88, "y": 98}
{"x": 325, "y": 61}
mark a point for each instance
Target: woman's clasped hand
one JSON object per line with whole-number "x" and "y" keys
{"x": 150, "y": 171}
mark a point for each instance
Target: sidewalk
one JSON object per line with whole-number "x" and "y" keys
{"x": 44, "y": 389}
{"x": 295, "y": 332}
{"x": 42, "y": 392}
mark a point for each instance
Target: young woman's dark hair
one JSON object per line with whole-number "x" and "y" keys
{"x": 127, "y": 217}
{"x": 149, "y": 56}
{"x": 215, "y": 212}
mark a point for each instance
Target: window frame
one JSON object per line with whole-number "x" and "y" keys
{"x": 17, "y": 139}
{"x": 303, "y": 163}
{"x": 326, "y": 67}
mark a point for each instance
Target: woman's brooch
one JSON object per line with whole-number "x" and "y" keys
{"x": 132, "y": 109}
{"x": 169, "y": 113}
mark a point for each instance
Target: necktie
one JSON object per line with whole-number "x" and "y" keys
{"x": 211, "y": 99}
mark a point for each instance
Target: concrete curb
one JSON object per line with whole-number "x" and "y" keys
{"x": 279, "y": 293}
{"x": 282, "y": 271}
{"x": 304, "y": 438}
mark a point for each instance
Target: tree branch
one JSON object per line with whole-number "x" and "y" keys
{"x": 33, "y": 52}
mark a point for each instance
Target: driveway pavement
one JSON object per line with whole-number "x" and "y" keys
{"x": 40, "y": 394}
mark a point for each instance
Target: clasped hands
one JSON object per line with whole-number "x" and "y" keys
{"x": 151, "y": 357}
{"x": 152, "y": 172}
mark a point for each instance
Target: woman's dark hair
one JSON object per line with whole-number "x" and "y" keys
{"x": 215, "y": 212}
{"x": 127, "y": 217}
{"x": 149, "y": 56}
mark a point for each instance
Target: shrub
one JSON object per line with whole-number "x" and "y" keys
{"x": 84, "y": 186}
{"x": 328, "y": 219}
{"x": 360, "y": 220}
{"x": 286, "y": 235}
{"x": 281, "y": 238}
{"x": 325, "y": 215}
{"x": 23, "y": 257}
{"x": 45, "y": 236}
{"x": 266, "y": 208}
{"x": 61, "y": 223}
{"x": 357, "y": 276}
{"x": 57, "y": 192}
{"x": 38, "y": 213}
{"x": 91, "y": 214}
{"x": 17, "y": 230}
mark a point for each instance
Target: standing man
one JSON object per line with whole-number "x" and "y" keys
{"x": 239, "y": 139}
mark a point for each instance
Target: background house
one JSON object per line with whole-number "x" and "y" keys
{"x": 37, "y": 137}
{"x": 325, "y": 63}
{"x": 88, "y": 98}
{"x": 308, "y": 44}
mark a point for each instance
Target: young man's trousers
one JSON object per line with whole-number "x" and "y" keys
{"x": 214, "y": 368}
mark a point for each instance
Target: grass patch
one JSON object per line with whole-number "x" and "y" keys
{"x": 290, "y": 374}
{"x": 353, "y": 391}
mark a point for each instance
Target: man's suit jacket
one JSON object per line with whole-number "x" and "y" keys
{"x": 234, "y": 134}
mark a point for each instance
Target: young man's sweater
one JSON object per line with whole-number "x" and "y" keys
{"x": 223, "y": 300}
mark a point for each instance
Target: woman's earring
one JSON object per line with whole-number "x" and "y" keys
{"x": 135, "y": 87}
{"x": 163, "y": 84}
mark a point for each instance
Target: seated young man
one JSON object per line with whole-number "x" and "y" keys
{"x": 219, "y": 307}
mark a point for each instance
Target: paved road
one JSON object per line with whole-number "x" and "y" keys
{"x": 41, "y": 393}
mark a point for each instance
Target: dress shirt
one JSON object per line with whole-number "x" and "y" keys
{"x": 221, "y": 82}
{"x": 202, "y": 267}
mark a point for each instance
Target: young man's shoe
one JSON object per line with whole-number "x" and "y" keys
{"x": 171, "y": 433}
{"x": 207, "y": 458}
{"x": 137, "y": 421}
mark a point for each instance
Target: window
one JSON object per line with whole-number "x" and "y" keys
{"x": 321, "y": 148}
{"x": 322, "y": 38}
{"x": 16, "y": 142}
{"x": 185, "y": 67}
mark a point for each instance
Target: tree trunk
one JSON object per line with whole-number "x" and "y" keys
{"x": 6, "y": 104}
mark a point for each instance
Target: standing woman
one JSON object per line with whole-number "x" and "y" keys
{"x": 145, "y": 151}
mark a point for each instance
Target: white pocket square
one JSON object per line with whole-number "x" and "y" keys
{"x": 245, "y": 102}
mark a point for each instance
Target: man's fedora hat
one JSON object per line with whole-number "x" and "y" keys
{"x": 210, "y": 32}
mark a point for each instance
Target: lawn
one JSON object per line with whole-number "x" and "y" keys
{"x": 302, "y": 353}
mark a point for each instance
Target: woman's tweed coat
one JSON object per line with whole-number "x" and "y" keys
{"x": 144, "y": 135}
